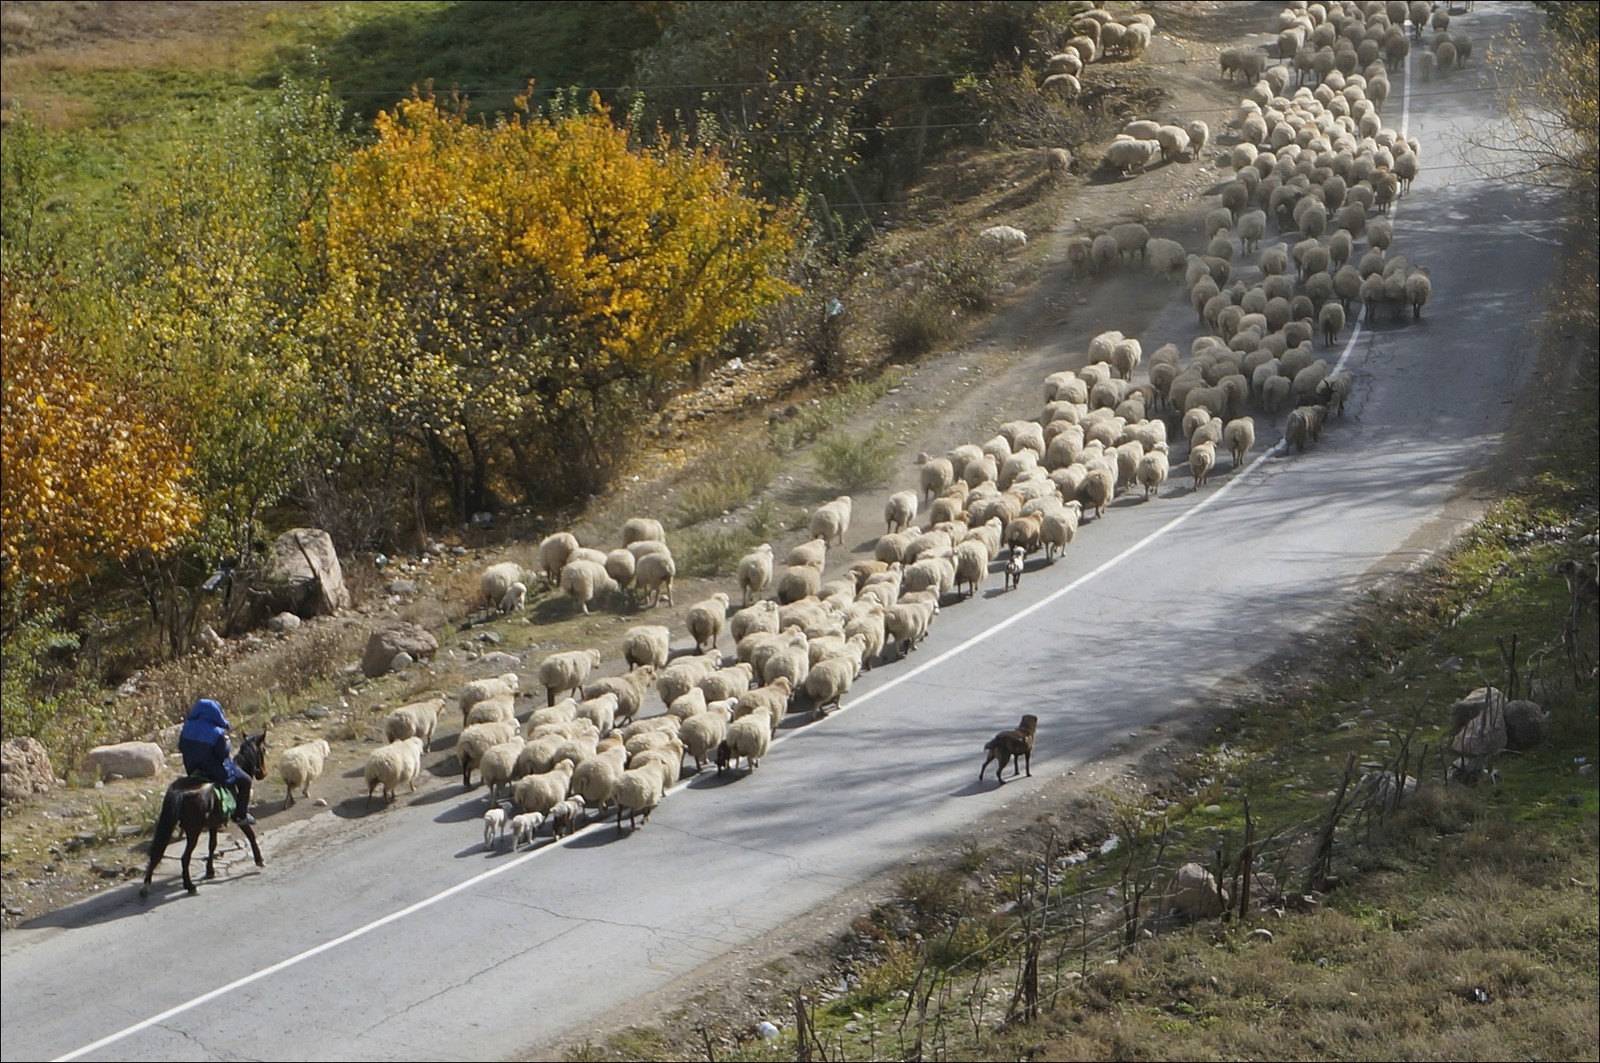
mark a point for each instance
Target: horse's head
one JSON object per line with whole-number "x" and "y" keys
{"x": 252, "y": 758}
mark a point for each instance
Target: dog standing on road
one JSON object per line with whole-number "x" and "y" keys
{"x": 1014, "y": 567}
{"x": 1015, "y": 745}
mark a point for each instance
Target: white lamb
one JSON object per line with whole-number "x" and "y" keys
{"x": 301, "y": 766}
{"x": 706, "y": 620}
{"x": 561, "y": 672}
{"x": 755, "y": 572}
{"x": 497, "y": 581}
{"x": 523, "y": 828}
{"x": 494, "y": 824}
{"x": 391, "y": 765}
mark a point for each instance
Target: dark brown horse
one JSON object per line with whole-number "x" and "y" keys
{"x": 193, "y": 804}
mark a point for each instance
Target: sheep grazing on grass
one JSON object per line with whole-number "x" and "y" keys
{"x": 641, "y": 529}
{"x": 583, "y": 581}
{"x": 391, "y": 765}
{"x": 496, "y": 583}
{"x": 561, "y": 672}
{"x": 1128, "y": 156}
{"x": 300, "y": 766}
{"x": 755, "y": 572}
{"x": 621, "y": 565}
{"x": 646, "y": 644}
{"x": 706, "y": 620}
{"x": 749, "y": 737}
{"x": 419, "y": 718}
{"x": 831, "y": 520}
{"x": 523, "y": 828}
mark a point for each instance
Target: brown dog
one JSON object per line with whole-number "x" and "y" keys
{"x": 1015, "y": 745}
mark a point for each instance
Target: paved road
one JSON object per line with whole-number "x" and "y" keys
{"x": 403, "y": 940}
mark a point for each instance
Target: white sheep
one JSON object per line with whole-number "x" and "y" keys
{"x": 831, "y": 520}
{"x": 1127, "y": 156}
{"x": 418, "y": 718}
{"x": 497, "y": 768}
{"x": 494, "y": 824}
{"x": 638, "y": 793}
{"x": 706, "y": 620}
{"x": 523, "y": 828}
{"x": 301, "y": 766}
{"x": 564, "y": 818}
{"x": 477, "y": 739}
{"x": 1199, "y": 135}
{"x": 1418, "y": 289}
{"x": 542, "y": 792}
{"x": 620, "y": 565}
{"x": 630, "y": 690}
{"x": 755, "y": 572}
{"x": 1151, "y": 472}
{"x": 646, "y": 644}
{"x": 1166, "y": 257}
{"x": 584, "y": 580}
{"x": 685, "y": 674}
{"x": 389, "y": 766}
{"x": 506, "y": 683}
{"x": 749, "y": 737}
{"x": 829, "y": 680}
{"x": 516, "y": 597}
{"x": 1202, "y": 456}
{"x": 1173, "y": 141}
{"x": 595, "y": 780}
{"x": 496, "y": 583}
{"x": 901, "y": 510}
{"x": 600, "y": 710}
{"x": 499, "y": 707}
{"x": 654, "y": 574}
{"x": 1004, "y": 239}
{"x": 907, "y": 623}
{"x": 1240, "y": 435}
{"x": 728, "y": 682}
{"x": 565, "y": 671}
{"x": 640, "y": 529}
{"x": 702, "y": 733}
{"x": 554, "y": 553}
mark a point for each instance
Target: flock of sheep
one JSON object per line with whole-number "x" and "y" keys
{"x": 1317, "y": 162}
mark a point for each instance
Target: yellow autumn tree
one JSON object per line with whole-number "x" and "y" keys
{"x": 87, "y": 475}
{"x": 505, "y": 300}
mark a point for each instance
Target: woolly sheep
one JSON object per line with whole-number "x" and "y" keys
{"x": 565, "y": 816}
{"x": 477, "y": 739}
{"x": 798, "y": 582}
{"x": 497, "y": 767}
{"x": 1003, "y": 239}
{"x": 1330, "y": 320}
{"x": 542, "y": 792}
{"x": 1334, "y": 391}
{"x": 772, "y": 698}
{"x": 726, "y": 683}
{"x": 1173, "y": 141}
{"x": 301, "y": 766}
{"x": 1151, "y": 471}
{"x": 1240, "y": 435}
{"x": 389, "y": 766}
{"x": 907, "y": 623}
{"x": 831, "y": 520}
{"x": 596, "y": 778}
{"x": 554, "y": 553}
{"x": 1103, "y": 251}
{"x": 1418, "y": 289}
{"x": 1128, "y": 156}
{"x": 1167, "y": 257}
{"x": 1199, "y": 136}
{"x": 1131, "y": 238}
{"x": 630, "y": 690}
{"x": 1201, "y": 459}
{"x": 646, "y": 644}
{"x": 706, "y": 620}
{"x": 685, "y": 674}
{"x": 620, "y": 565}
{"x": 523, "y": 827}
{"x": 638, "y": 793}
{"x": 565, "y": 671}
{"x": 748, "y": 737}
{"x": 583, "y": 581}
{"x": 483, "y": 689}
{"x": 701, "y": 734}
{"x": 1058, "y": 526}
{"x": 640, "y": 529}
{"x": 760, "y": 617}
{"x": 654, "y": 574}
{"x": 499, "y": 707}
{"x": 418, "y": 718}
{"x": 829, "y": 680}
{"x": 496, "y": 583}
{"x": 1304, "y": 424}
{"x": 900, "y": 510}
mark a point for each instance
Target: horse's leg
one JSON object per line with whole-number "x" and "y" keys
{"x": 255, "y": 847}
{"x": 188, "y": 851}
{"x": 155, "y": 858}
{"x": 211, "y": 853}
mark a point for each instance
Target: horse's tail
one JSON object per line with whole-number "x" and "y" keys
{"x": 167, "y": 822}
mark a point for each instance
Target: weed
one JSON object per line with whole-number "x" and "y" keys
{"x": 825, "y": 413}
{"x": 710, "y": 554}
{"x": 107, "y": 819}
{"x": 849, "y": 463}
{"x": 725, "y": 482}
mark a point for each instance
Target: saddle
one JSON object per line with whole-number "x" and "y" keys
{"x": 225, "y": 794}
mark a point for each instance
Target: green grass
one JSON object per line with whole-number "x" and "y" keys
{"x": 847, "y": 463}
{"x": 726, "y": 481}
{"x": 821, "y": 414}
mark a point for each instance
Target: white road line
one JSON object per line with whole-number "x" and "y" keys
{"x": 934, "y": 662}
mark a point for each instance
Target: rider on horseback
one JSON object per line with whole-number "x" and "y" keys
{"x": 208, "y": 754}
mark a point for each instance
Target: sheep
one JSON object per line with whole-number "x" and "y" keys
{"x": 654, "y": 574}
{"x": 621, "y": 565}
{"x": 583, "y": 581}
{"x": 755, "y": 572}
{"x": 831, "y": 520}
{"x": 1304, "y": 424}
{"x": 1202, "y": 457}
{"x": 1334, "y": 391}
{"x": 1131, "y": 238}
{"x": 564, "y": 818}
{"x": 301, "y": 766}
{"x": 1418, "y": 289}
{"x": 640, "y": 529}
{"x": 629, "y": 689}
{"x": 1126, "y": 156}
{"x": 495, "y": 822}
{"x": 760, "y": 617}
{"x": 1199, "y": 135}
{"x": 798, "y": 582}
{"x": 497, "y": 768}
{"x": 687, "y": 704}
{"x": 1330, "y": 320}
{"x": 499, "y": 707}
{"x": 1173, "y": 141}
{"x": 702, "y": 733}
{"x": 971, "y": 559}
{"x": 496, "y": 582}
{"x": 554, "y": 553}
{"x": 772, "y": 697}
{"x": 907, "y": 623}
{"x": 749, "y": 737}
{"x": 725, "y": 683}
{"x": 829, "y": 680}
{"x": 685, "y": 674}
{"x": 523, "y": 828}
{"x": 1058, "y": 526}
{"x": 1167, "y": 257}
{"x": 506, "y": 683}
{"x": 638, "y": 793}
{"x": 419, "y": 718}
{"x": 542, "y": 792}
{"x": 646, "y": 644}
{"x": 1240, "y": 435}
{"x": 595, "y": 780}
{"x": 565, "y": 671}
{"x": 1004, "y": 239}
{"x": 706, "y": 620}
{"x": 477, "y": 739}
{"x": 1103, "y": 250}
{"x": 1151, "y": 471}
{"x": 389, "y": 766}
{"x": 900, "y": 510}
{"x": 1080, "y": 256}
{"x": 1068, "y": 87}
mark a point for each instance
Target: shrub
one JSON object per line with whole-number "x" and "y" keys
{"x": 854, "y": 463}
{"x": 728, "y": 480}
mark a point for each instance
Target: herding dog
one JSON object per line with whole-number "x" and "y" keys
{"x": 1014, "y": 567}
{"x": 1015, "y": 745}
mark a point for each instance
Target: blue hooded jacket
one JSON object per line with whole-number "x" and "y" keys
{"x": 204, "y": 744}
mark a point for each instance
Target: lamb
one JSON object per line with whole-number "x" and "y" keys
{"x": 494, "y": 824}
{"x": 542, "y": 792}
{"x": 301, "y": 766}
{"x": 554, "y": 553}
{"x": 1240, "y": 435}
{"x": 749, "y": 737}
{"x": 706, "y": 619}
{"x": 523, "y": 827}
{"x": 647, "y": 644}
{"x": 755, "y": 572}
{"x": 389, "y": 766}
{"x": 419, "y": 718}
{"x": 901, "y": 510}
{"x": 831, "y": 520}
{"x": 1202, "y": 457}
{"x": 583, "y": 581}
{"x": 565, "y": 816}
{"x": 1004, "y": 239}
{"x": 476, "y": 740}
{"x": 642, "y": 529}
{"x": 629, "y": 689}
{"x": 561, "y": 672}
{"x": 496, "y": 582}
{"x": 654, "y": 574}
{"x": 1080, "y": 256}
{"x": 516, "y": 597}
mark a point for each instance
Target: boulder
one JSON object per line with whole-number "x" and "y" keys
{"x": 24, "y": 769}
{"x": 284, "y": 622}
{"x": 388, "y": 643}
{"x": 1195, "y": 893}
{"x": 1527, "y": 725}
{"x": 305, "y": 560}
{"x": 130, "y": 760}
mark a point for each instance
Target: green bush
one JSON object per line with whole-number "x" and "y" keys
{"x": 725, "y": 482}
{"x": 853, "y": 463}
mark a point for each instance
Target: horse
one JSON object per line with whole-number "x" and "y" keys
{"x": 193, "y": 804}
